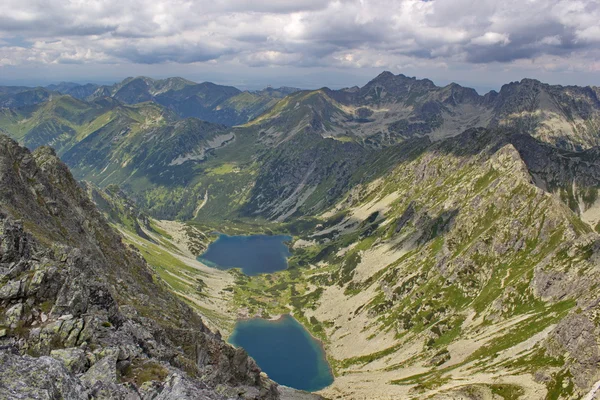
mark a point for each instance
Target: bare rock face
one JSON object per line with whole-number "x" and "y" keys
{"x": 73, "y": 358}
{"x": 81, "y": 314}
{"x": 24, "y": 377}
{"x": 576, "y": 337}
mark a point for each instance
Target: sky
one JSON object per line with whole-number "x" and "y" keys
{"x": 300, "y": 43}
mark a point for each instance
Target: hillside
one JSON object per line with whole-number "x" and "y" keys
{"x": 295, "y": 159}
{"x": 464, "y": 267}
{"x": 392, "y": 108}
{"x": 445, "y": 244}
{"x": 218, "y": 104}
{"x": 63, "y": 122}
{"x": 83, "y": 315}
{"x": 452, "y": 275}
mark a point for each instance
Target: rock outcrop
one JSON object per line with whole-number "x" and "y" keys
{"x": 81, "y": 313}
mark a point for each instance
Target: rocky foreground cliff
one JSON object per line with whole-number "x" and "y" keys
{"x": 83, "y": 316}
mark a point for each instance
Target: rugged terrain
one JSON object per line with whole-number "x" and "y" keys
{"x": 83, "y": 315}
{"x": 453, "y": 274}
{"x": 445, "y": 243}
{"x": 294, "y": 159}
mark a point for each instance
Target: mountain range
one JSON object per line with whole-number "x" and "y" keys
{"x": 208, "y": 101}
{"x": 446, "y": 244}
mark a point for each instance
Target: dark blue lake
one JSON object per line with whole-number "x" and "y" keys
{"x": 285, "y": 351}
{"x": 255, "y": 254}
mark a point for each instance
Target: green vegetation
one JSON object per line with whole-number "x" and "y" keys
{"x": 524, "y": 331}
{"x": 560, "y": 386}
{"x": 224, "y": 169}
{"x": 361, "y": 360}
{"x": 140, "y": 371}
{"x": 429, "y": 242}
{"x": 486, "y": 179}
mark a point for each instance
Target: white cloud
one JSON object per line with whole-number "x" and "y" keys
{"x": 551, "y": 40}
{"x": 590, "y": 34}
{"x": 308, "y": 33}
{"x": 491, "y": 38}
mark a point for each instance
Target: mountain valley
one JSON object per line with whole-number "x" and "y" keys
{"x": 445, "y": 244}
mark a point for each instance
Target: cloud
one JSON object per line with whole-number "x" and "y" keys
{"x": 491, "y": 38}
{"x": 307, "y": 33}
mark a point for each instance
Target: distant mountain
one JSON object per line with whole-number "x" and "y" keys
{"x": 62, "y": 86}
{"x": 74, "y": 89}
{"x": 19, "y": 96}
{"x": 280, "y": 92}
{"x": 296, "y": 158}
{"x": 225, "y": 105}
{"x": 207, "y": 101}
{"x": 388, "y": 109}
{"x": 565, "y": 116}
{"x": 391, "y": 108}
{"x": 64, "y": 121}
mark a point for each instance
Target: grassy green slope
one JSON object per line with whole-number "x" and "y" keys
{"x": 65, "y": 121}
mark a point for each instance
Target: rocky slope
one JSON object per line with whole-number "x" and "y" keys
{"x": 453, "y": 275}
{"x": 564, "y": 116}
{"x": 119, "y": 210}
{"x": 574, "y": 176}
{"x": 83, "y": 315}
{"x": 171, "y": 249}
{"x": 391, "y": 108}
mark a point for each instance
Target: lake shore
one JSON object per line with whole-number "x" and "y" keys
{"x": 290, "y": 335}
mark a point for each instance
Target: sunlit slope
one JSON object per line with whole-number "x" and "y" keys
{"x": 452, "y": 273}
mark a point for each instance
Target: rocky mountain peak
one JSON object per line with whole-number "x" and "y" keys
{"x": 385, "y": 75}
{"x": 530, "y": 82}
{"x": 387, "y": 78}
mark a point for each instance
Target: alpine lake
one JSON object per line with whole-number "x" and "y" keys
{"x": 282, "y": 348}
